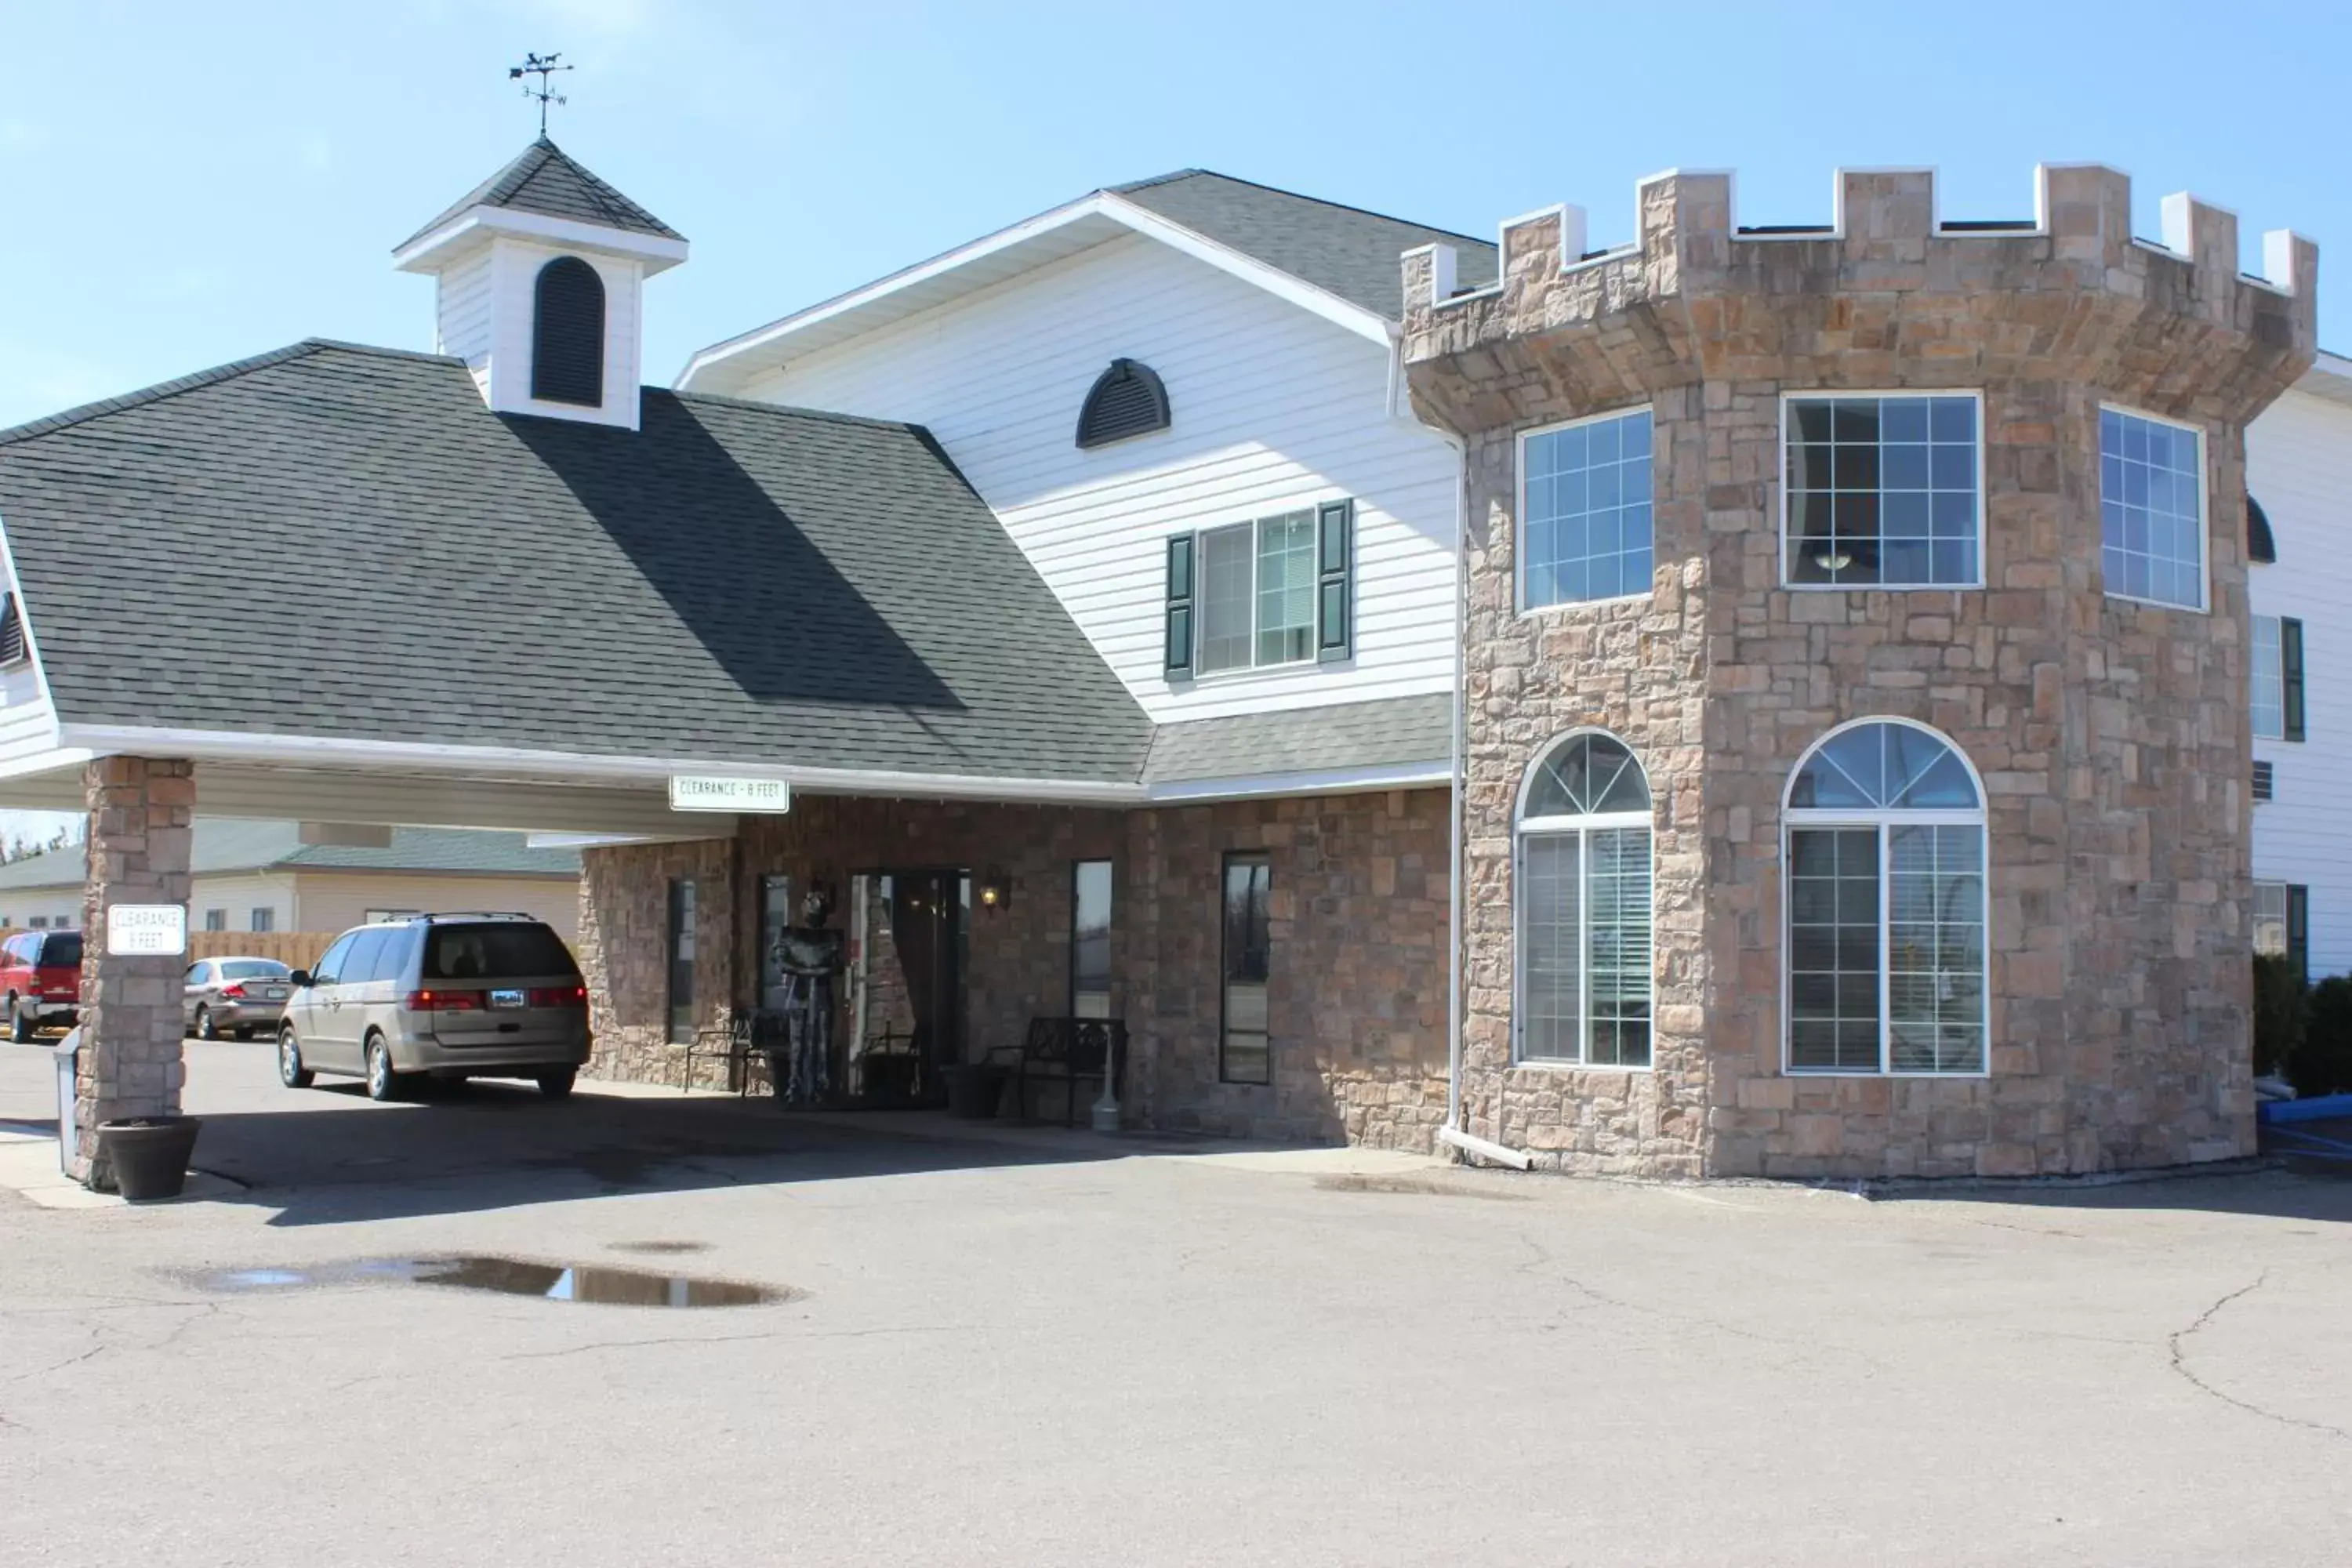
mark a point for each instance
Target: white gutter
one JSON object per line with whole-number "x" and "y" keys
{"x": 1452, "y": 1133}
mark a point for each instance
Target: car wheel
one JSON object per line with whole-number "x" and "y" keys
{"x": 383, "y": 1083}
{"x": 20, "y": 1023}
{"x": 290, "y": 1071}
{"x": 557, "y": 1085}
{"x": 206, "y": 1028}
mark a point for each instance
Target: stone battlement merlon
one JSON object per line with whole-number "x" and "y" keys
{"x": 1886, "y": 233}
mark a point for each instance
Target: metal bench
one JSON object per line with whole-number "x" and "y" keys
{"x": 746, "y": 1038}
{"x": 1073, "y": 1050}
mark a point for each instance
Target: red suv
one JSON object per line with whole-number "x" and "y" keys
{"x": 41, "y": 975}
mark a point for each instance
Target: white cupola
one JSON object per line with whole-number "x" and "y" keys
{"x": 541, "y": 271}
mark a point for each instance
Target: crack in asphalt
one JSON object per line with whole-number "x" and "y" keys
{"x": 2175, "y": 1342}
{"x": 733, "y": 1339}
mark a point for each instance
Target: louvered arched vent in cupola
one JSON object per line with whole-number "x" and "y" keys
{"x": 1127, "y": 400}
{"x": 2260, "y": 545}
{"x": 567, "y": 338}
{"x": 12, "y": 632}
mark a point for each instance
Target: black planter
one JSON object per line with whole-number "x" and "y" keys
{"x": 148, "y": 1154}
{"x": 973, "y": 1091}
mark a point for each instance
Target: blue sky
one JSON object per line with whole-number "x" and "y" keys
{"x": 199, "y": 183}
{"x": 190, "y": 183}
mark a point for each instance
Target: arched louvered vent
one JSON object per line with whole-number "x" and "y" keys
{"x": 567, "y": 340}
{"x": 1127, "y": 400}
{"x": 2260, "y": 545}
{"x": 12, "y": 632}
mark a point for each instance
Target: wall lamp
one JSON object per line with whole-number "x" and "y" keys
{"x": 995, "y": 890}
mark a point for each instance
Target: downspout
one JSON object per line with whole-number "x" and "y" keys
{"x": 1454, "y": 1133}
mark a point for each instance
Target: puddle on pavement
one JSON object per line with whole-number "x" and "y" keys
{"x": 593, "y": 1283}
{"x": 1419, "y": 1187}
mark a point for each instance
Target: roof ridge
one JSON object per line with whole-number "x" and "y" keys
{"x": 794, "y": 410}
{"x": 83, "y": 413}
{"x": 1297, "y": 195}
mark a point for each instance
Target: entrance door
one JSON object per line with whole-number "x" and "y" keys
{"x": 907, "y": 1006}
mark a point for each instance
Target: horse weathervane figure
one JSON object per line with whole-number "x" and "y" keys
{"x": 543, "y": 67}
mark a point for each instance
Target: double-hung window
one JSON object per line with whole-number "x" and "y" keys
{"x": 2281, "y": 922}
{"x": 1583, "y": 901}
{"x": 2275, "y": 660}
{"x": 1585, "y": 501}
{"x": 1887, "y": 906}
{"x": 1882, "y": 491}
{"x": 2152, "y": 509}
{"x": 1275, "y": 591}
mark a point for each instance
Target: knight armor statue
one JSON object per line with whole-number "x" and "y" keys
{"x": 809, "y": 955}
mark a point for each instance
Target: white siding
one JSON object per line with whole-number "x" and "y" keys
{"x": 2299, "y": 466}
{"x": 1273, "y": 409}
{"x": 463, "y": 329}
{"x": 514, "y": 268}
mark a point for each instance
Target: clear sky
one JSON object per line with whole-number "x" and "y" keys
{"x": 187, "y": 184}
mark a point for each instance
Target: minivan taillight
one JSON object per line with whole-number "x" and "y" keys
{"x": 558, "y": 995}
{"x": 442, "y": 1000}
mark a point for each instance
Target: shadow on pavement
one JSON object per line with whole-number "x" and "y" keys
{"x": 335, "y": 1157}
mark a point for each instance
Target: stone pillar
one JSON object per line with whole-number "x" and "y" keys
{"x": 140, "y": 814}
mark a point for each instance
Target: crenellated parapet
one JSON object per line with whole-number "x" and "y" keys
{"x": 1889, "y": 293}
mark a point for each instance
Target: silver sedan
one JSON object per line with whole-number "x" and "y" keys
{"x": 234, "y": 996}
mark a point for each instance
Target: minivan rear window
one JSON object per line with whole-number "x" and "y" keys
{"x": 61, "y": 949}
{"x": 496, "y": 952}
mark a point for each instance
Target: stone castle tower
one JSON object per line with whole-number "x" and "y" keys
{"x": 2083, "y": 650}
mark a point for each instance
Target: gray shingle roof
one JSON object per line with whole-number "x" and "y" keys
{"x": 344, "y": 541}
{"x": 544, "y": 179}
{"x": 1340, "y": 249}
{"x": 220, "y": 846}
{"x": 1386, "y": 733}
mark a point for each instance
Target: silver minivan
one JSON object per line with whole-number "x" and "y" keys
{"x": 446, "y": 996}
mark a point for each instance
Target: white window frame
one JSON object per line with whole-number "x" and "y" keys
{"x": 2204, "y": 605}
{"x": 2255, "y": 917}
{"x": 2254, "y": 627}
{"x": 1313, "y": 513}
{"x": 1523, "y": 827}
{"x": 1831, "y": 394}
{"x": 1795, "y": 817}
{"x": 1519, "y": 501}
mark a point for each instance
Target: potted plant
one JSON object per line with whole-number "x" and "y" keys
{"x": 148, "y": 1154}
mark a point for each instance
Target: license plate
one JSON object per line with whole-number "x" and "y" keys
{"x": 506, "y": 998}
{"x": 274, "y": 993}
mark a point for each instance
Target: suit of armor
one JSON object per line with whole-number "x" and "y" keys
{"x": 809, "y": 956}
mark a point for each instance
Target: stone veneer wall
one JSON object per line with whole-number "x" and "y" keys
{"x": 1359, "y": 922}
{"x": 2112, "y": 736}
{"x": 141, "y": 812}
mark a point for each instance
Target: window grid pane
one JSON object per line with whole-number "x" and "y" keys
{"x": 2151, "y": 510}
{"x": 1286, "y": 588}
{"x": 1619, "y": 959}
{"x": 1883, "y": 490}
{"x": 2269, "y": 918}
{"x": 1935, "y": 948}
{"x": 2269, "y": 667}
{"x": 1587, "y": 505}
{"x": 1551, "y": 947}
{"x": 1834, "y": 957}
{"x": 1225, "y": 597}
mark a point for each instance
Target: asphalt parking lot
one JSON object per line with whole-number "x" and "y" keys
{"x": 1046, "y": 1349}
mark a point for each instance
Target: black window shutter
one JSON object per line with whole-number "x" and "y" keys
{"x": 2291, "y": 676}
{"x": 2298, "y": 928}
{"x": 1179, "y": 607}
{"x": 12, "y": 632}
{"x": 1334, "y": 600}
{"x": 567, "y": 339}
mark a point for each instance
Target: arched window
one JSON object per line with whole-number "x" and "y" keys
{"x": 1583, "y": 895}
{"x": 2260, "y": 545}
{"x": 1127, "y": 400}
{"x": 1887, "y": 905}
{"x": 567, "y": 339}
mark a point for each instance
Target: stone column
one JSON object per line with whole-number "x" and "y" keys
{"x": 140, "y": 814}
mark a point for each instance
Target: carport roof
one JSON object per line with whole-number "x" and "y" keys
{"x": 219, "y": 846}
{"x": 340, "y": 542}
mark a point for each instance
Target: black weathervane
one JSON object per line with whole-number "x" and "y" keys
{"x": 543, "y": 67}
